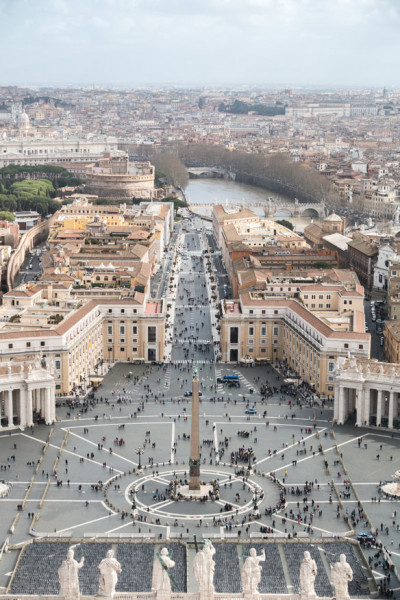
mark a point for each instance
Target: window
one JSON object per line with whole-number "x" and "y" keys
{"x": 275, "y": 341}
{"x": 344, "y": 301}
{"x": 110, "y": 310}
{"x": 305, "y": 296}
{"x": 58, "y": 365}
{"x": 122, "y": 349}
{"x": 10, "y": 345}
{"x": 122, "y": 340}
{"x": 346, "y": 345}
{"x": 122, "y": 329}
{"x": 134, "y": 330}
{"x": 263, "y": 331}
{"x": 134, "y": 349}
{"x": 276, "y": 330}
{"x": 28, "y": 344}
{"x": 263, "y": 341}
{"x": 263, "y": 312}
{"x": 313, "y": 297}
{"x": 251, "y": 330}
{"x": 251, "y": 312}
{"x": 320, "y": 297}
{"x": 250, "y": 349}
{"x": 234, "y": 335}
{"x": 360, "y": 346}
{"x": 122, "y": 311}
{"x": 42, "y": 343}
{"x": 152, "y": 334}
{"x": 312, "y": 305}
{"x": 328, "y": 297}
{"x": 331, "y": 367}
{"x": 328, "y": 305}
{"x": 251, "y": 341}
{"x": 320, "y": 305}
{"x": 109, "y": 330}
{"x": 263, "y": 350}
{"x": 275, "y": 312}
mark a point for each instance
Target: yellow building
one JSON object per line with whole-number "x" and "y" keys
{"x": 309, "y": 339}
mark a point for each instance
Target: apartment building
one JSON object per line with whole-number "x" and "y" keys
{"x": 77, "y": 335}
{"x": 309, "y": 330}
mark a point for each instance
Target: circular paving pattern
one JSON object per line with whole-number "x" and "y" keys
{"x": 150, "y": 490}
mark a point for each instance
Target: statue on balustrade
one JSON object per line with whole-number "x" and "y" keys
{"x": 204, "y": 567}
{"x": 161, "y": 579}
{"x": 341, "y": 574}
{"x": 251, "y": 573}
{"x": 109, "y": 569}
{"x": 308, "y": 573}
{"x": 68, "y": 576}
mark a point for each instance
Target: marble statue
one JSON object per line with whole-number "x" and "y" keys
{"x": 251, "y": 573}
{"x": 308, "y": 573}
{"x": 68, "y": 576}
{"x": 161, "y": 580}
{"x": 204, "y": 567}
{"x": 341, "y": 574}
{"x": 109, "y": 567}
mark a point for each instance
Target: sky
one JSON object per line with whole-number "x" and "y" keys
{"x": 128, "y": 43}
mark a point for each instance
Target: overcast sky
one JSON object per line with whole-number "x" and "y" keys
{"x": 264, "y": 42}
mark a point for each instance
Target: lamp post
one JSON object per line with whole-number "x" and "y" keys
{"x": 139, "y": 452}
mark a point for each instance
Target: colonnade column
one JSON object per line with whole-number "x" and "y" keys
{"x": 9, "y": 407}
{"x": 391, "y": 409}
{"x": 379, "y": 408}
{"x": 367, "y": 406}
{"x": 22, "y": 406}
{"x": 341, "y": 405}
{"x": 47, "y": 405}
{"x": 29, "y": 407}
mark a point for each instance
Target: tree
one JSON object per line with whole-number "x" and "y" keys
{"x": 5, "y": 215}
{"x": 173, "y": 168}
{"x": 286, "y": 224}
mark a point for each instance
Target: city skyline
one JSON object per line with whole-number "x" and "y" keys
{"x": 253, "y": 42}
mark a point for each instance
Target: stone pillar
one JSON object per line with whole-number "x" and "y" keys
{"x": 336, "y": 402}
{"x": 47, "y": 405}
{"x": 379, "y": 408}
{"x": 29, "y": 407}
{"x": 367, "y": 406}
{"x": 391, "y": 407}
{"x": 194, "y": 462}
{"x": 341, "y": 417}
{"x": 22, "y": 406}
{"x": 52, "y": 394}
{"x": 9, "y": 407}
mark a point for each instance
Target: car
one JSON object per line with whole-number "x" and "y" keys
{"x": 250, "y": 411}
{"x": 188, "y": 393}
{"x": 373, "y": 318}
{"x": 379, "y": 320}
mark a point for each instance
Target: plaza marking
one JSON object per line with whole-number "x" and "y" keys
{"x": 83, "y": 524}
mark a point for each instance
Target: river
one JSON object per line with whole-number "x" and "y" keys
{"x": 222, "y": 191}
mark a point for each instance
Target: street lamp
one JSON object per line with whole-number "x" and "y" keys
{"x": 139, "y": 452}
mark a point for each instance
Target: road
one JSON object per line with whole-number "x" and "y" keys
{"x": 25, "y": 273}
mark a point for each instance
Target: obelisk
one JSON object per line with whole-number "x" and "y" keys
{"x": 194, "y": 461}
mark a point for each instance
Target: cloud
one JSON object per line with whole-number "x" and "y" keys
{"x": 299, "y": 41}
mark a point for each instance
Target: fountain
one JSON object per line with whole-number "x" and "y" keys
{"x": 392, "y": 488}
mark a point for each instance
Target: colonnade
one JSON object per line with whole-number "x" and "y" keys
{"x": 371, "y": 392}
{"x": 26, "y": 396}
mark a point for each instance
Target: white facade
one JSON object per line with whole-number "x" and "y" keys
{"x": 369, "y": 389}
{"x": 27, "y": 392}
{"x": 35, "y": 151}
{"x": 386, "y": 255}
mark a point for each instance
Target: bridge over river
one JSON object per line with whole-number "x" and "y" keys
{"x": 273, "y": 208}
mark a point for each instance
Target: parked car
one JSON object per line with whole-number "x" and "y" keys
{"x": 250, "y": 411}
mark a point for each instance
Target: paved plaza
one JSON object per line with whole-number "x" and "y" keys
{"x": 81, "y": 476}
